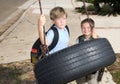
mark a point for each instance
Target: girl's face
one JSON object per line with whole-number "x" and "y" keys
{"x": 86, "y": 29}
{"x": 60, "y": 22}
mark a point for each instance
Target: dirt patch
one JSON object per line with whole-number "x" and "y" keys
{"x": 17, "y": 73}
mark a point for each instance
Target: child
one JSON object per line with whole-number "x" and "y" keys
{"x": 87, "y": 27}
{"x": 59, "y": 18}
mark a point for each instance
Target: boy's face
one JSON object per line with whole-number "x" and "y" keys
{"x": 60, "y": 22}
{"x": 86, "y": 29}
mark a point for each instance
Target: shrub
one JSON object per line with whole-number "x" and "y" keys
{"x": 106, "y": 9}
{"x": 91, "y": 8}
{"x": 110, "y": 7}
{"x": 89, "y": 1}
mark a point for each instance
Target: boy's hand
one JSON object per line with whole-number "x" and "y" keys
{"x": 42, "y": 20}
{"x": 44, "y": 50}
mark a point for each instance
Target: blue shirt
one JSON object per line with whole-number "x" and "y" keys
{"x": 63, "y": 40}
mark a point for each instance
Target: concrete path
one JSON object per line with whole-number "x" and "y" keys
{"x": 17, "y": 45}
{"x": 7, "y": 7}
{"x": 11, "y": 11}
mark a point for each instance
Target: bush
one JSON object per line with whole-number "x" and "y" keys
{"x": 110, "y": 7}
{"x": 89, "y": 1}
{"x": 106, "y": 9}
{"x": 91, "y": 8}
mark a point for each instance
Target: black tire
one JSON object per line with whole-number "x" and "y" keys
{"x": 74, "y": 62}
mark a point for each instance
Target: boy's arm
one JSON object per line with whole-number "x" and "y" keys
{"x": 41, "y": 23}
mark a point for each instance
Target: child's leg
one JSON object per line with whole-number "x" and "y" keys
{"x": 81, "y": 81}
{"x": 93, "y": 78}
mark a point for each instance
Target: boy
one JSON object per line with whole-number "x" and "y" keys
{"x": 87, "y": 28}
{"x": 59, "y": 17}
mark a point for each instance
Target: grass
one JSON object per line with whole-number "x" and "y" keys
{"x": 116, "y": 76}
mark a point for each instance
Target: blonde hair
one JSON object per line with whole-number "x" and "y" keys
{"x": 57, "y": 12}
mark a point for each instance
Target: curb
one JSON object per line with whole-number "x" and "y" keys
{"x": 21, "y": 10}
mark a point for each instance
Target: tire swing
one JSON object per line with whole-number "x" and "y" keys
{"x": 74, "y": 62}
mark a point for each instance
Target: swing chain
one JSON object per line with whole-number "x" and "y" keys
{"x": 86, "y": 11}
{"x": 44, "y": 47}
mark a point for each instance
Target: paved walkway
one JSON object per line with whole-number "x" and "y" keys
{"x": 17, "y": 45}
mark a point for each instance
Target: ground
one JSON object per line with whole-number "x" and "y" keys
{"x": 17, "y": 73}
{"x": 115, "y": 69}
{"x": 4, "y": 27}
{"x": 22, "y": 72}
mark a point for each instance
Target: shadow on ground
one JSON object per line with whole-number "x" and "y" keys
{"x": 17, "y": 73}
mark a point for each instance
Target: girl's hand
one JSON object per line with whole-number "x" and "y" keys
{"x": 94, "y": 35}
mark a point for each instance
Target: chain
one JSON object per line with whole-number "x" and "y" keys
{"x": 44, "y": 47}
{"x": 85, "y": 9}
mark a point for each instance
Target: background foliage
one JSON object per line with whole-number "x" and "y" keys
{"x": 103, "y": 7}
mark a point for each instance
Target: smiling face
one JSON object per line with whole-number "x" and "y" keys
{"x": 60, "y": 22}
{"x": 86, "y": 29}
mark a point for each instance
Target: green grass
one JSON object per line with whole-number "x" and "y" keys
{"x": 116, "y": 77}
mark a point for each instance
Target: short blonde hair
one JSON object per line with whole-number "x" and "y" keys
{"x": 57, "y": 12}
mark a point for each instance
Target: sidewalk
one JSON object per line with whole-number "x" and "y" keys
{"x": 17, "y": 45}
